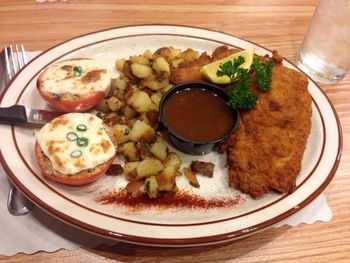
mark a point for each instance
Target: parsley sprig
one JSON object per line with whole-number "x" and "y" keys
{"x": 262, "y": 74}
{"x": 240, "y": 95}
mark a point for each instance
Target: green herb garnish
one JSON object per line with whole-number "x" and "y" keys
{"x": 71, "y": 136}
{"x": 148, "y": 149}
{"x": 76, "y": 154}
{"x": 232, "y": 69}
{"x": 81, "y": 127}
{"x": 195, "y": 185}
{"x": 82, "y": 141}
{"x": 262, "y": 74}
{"x": 126, "y": 131}
{"x": 77, "y": 71}
{"x": 148, "y": 186}
{"x": 240, "y": 95}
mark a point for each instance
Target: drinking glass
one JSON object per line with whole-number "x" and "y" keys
{"x": 325, "y": 52}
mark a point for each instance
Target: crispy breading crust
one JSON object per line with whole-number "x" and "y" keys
{"x": 266, "y": 150}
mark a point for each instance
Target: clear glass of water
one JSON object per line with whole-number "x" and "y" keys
{"x": 325, "y": 52}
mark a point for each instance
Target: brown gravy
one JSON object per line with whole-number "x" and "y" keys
{"x": 197, "y": 115}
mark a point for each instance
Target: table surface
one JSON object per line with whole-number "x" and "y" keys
{"x": 274, "y": 24}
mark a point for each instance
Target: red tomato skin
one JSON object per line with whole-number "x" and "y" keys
{"x": 74, "y": 180}
{"x": 79, "y": 105}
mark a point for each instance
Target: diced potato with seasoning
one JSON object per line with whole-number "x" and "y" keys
{"x": 166, "y": 88}
{"x": 174, "y": 52}
{"x": 119, "y": 64}
{"x": 175, "y": 63}
{"x": 130, "y": 113}
{"x": 102, "y": 106}
{"x": 160, "y": 64}
{"x": 155, "y": 98}
{"x": 134, "y": 186}
{"x": 148, "y": 54}
{"x": 113, "y": 86}
{"x": 151, "y": 187}
{"x": 140, "y": 101}
{"x": 130, "y": 152}
{"x": 191, "y": 176}
{"x": 114, "y": 104}
{"x": 130, "y": 170}
{"x": 151, "y": 118}
{"x": 149, "y": 166}
{"x": 140, "y": 60}
{"x": 169, "y": 53}
{"x": 155, "y": 84}
{"x": 121, "y": 132}
{"x": 120, "y": 84}
{"x": 172, "y": 160}
{"x": 190, "y": 54}
{"x": 166, "y": 179}
{"x": 141, "y": 131}
{"x": 159, "y": 149}
{"x": 141, "y": 71}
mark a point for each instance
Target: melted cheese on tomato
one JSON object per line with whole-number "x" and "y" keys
{"x": 76, "y": 76}
{"x": 58, "y": 142}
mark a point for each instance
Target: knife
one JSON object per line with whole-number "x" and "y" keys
{"x": 18, "y": 114}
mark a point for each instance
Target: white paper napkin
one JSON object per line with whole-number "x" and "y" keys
{"x": 38, "y": 231}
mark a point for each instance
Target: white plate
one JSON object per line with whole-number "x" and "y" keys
{"x": 169, "y": 226}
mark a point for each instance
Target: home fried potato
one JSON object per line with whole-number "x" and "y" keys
{"x": 121, "y": 132}
{"x": 159, "y": 149}
{"x": 141, "y": 131}
{"x": 132, "y": 110}
{"x": 149, "y": 166}
{"x": 166, "y": 178}
{"x": 151, "y": 186}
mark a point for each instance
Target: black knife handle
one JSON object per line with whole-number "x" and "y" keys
{"x": 15, "y": 114}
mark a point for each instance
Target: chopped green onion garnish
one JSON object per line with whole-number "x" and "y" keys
{"x": 148, "y": 186}
{"x": 72, "y": 136}
{"x": 77, "y": 71}
{"x": 82, "y": 141}
{"x": 76, "y": 154}
{"x": 81, "y": 127}
{"x": 126, "y": 131}
{"x": 195, "y": 185}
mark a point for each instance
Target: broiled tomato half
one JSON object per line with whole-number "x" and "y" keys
{"x": 74, "y": 85}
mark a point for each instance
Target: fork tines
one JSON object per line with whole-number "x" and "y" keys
{"x": 15, "y": 60}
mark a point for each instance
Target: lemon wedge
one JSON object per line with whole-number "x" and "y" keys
{"x": 209, "y": 70}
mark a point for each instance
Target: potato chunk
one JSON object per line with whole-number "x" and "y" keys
{"x": 172, "y": 160}
{"x": 141, "y": 130}
{"x": 130, "y": 170}
{"x": 114, "y": 104}
{"x": 191, "y": 176}
{"x": 119, "y": 64}
{"x": 121, "y": 132}
{"x": 159, "y": 149}
{"x": 140, "y": 101}
{"x": 156, "y": 98}
{"x": 141, "y": 71}
{"x": 160, "y": 64}
{"x": 149, "y": 166}
{"x": 130, "y": 152}
{"x": 102, "y": 106}
{"x": 151, "y": 187}
{"x": 166, "y": 179}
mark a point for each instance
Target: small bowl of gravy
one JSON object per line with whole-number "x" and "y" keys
{"x": 197, "y": 116}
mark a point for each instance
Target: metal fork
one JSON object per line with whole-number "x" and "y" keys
{"x": 17, "y": 203}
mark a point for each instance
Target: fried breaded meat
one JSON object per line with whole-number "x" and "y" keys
{"x": 266, "y": 150}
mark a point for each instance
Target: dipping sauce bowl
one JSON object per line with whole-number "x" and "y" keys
{"x": 197, "y": 117}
